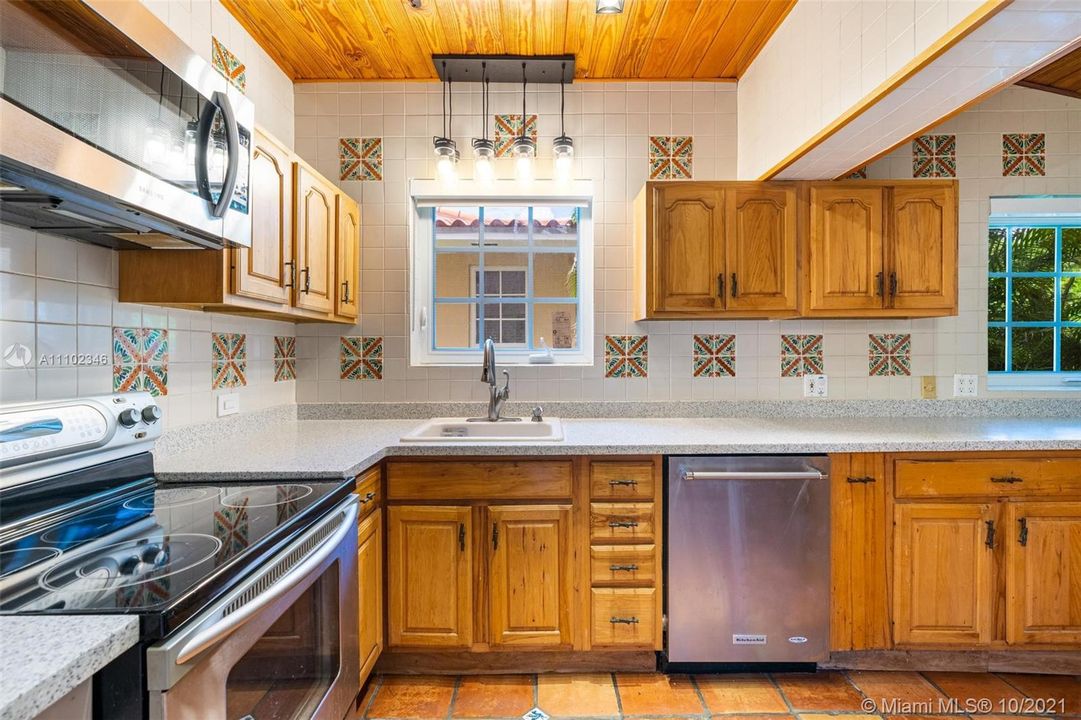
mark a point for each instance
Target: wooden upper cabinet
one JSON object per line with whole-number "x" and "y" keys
{"x": 264, "y": 270}
{"x": 760, "y": 247}
{"x": 370, "y": 577}
{"x": 316, "y": 229}
{"x": 1043, "y": 573}
{"x": 944, "y": 584}
{"x": 845, "y": 248}
{"x": 430, "y": 576}
{"x": 688, "y": 249}
{"x": 923, "y": 247}
{"x": 530, "y": 584}
{"x": 347, "y": 300}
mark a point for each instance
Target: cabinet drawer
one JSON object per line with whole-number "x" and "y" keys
{"x": 632, "y": 565}
{"x": 629, "y": 522}
{"x": 618, "y": 480}
{"x": 369, "y": 490}
{"x": 624, "y": 616}
{"x": 472, "y": 480}
{"x": 1030, "y": 476}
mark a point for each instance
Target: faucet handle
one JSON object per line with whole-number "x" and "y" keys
{"x": 505, "y": 392}
{"x": 538, "y": 414}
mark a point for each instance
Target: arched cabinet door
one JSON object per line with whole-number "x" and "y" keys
{"x": 688, "y": 251}
{"x": 923, "y": 248}
{"x": 760, "y": 242}
{"x": 347, "y": 300}
{"x": 316, "y": 230}
{"x": 845, "y": 248}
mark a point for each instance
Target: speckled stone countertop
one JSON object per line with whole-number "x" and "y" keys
{"x": 321, "y": 448}
{"x": 44, "y": 657}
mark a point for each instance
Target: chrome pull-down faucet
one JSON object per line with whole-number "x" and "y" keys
{"x": 496, "y": 395}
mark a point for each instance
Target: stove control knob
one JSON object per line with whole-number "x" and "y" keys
{"x": 130, "y": 565}
{"x": 151, "y": 414}
{"x": 155, "y": 556}
{"x": 128, "y": 418}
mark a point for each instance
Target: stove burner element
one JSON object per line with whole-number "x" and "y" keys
{"x": 12, "y": 561}
{"x": 171, "y": 497}
{"x": 273, "y": 495}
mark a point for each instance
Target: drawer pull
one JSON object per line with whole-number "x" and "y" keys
{"x": 368, "y": 497}
{"x": 623, "y": 524}
{"x": 626, "y": 483}
{"x": 865, "y": 479}
{"x": 623, "y": 568}
{"x": 623, "y": 620}
{"x": 990, "y": 541}
{"x": 1022, "y": 536}
{"x": 1008, "y": 479}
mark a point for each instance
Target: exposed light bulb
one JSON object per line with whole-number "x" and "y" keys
{"x": 446, "y": 152}
{"x": 446, "y": 168}
{"x": 564, "y": 166}
{"x": 484, "y": 169}
{"x": 524, "y": 167}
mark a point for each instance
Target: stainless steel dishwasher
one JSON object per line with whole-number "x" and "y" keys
{"x": 748, "y": 560}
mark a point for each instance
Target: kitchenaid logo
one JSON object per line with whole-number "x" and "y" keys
{"x": 18, "y": 355}
{"x": 747, "y": 639}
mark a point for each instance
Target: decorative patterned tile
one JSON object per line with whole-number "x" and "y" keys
{"x": 360, "y": 158}
{"x": 285, "y": 346}
{"x": 285, "y": 358}
{"x": 671, "y": 157}
{"x": 1024, "y": 154}
{"x": 889, "y": 354}
{"x": 626, "y": 356}
{"x": 362, "y": 358}
{"x": 229, "y": 355}
{"x": 859, "y": 173}
{"x": 228, "y": 65}
{"x": 801, "y": 355}
{"x": 714, "y": 356}
{"x": 232, "y": 528}
{"x": 934, "y": 156}
{"x": 141, "y": 360}
{"x": 508, "y": 127}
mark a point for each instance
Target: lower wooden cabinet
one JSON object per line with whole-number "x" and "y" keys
{"x": 624, "y": 617}
{"x": 370, "y": 577}
{"x": 430, "y": 576}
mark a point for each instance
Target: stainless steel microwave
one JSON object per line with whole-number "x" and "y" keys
{"x": 112, "y": 130}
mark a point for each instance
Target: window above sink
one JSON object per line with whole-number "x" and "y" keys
{"x": 507, "y": 260}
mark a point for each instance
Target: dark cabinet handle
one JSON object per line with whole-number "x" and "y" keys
{"x": 865, "y": 479}
{"x": 623, "y": 524}
{"x": 878, "y": 284}
{"x": 624, "y": 620}
{"x": 735, "y": 286}
{"x": 893, "y": 284}
{"x": 367, "y": 498}
{"x": 623, "y": 568}
{"x": 990, "y": 540}
{"x": 495, "y": 536}
{"x": 616, "y": 483}
{"x": 292, "y": 273}
{"x": 461, "y": 536}
{"x": 1007, "y": 479}
{"x": 306, "y": 272}
{"x": 1022, "y": 536}
{"x": 345, "y": 291}
{"x": 720, "y": 285}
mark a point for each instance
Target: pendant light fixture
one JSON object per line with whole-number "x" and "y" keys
{"x": 563, "y": 146}
{"x": 609, "y": 7}
{"x": 483, "y": 148}
{"x": 446, "y": 150}
{"x": 524, "y": 147}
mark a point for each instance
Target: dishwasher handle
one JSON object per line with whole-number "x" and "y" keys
{"x": 752, "y": 475}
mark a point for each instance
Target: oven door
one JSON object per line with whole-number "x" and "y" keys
{"x": 282, "y": 645}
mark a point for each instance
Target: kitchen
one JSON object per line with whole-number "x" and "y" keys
{"x": 566, "y": 358}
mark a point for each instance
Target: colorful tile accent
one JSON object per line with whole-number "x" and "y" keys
{"x": 801, "y": 355}
{"x": 934, "y": 156}
{"x": 360, "y": 159}
{"x": 141, "y": 360}
{"x": 232, "y": 528}
{"x": 229, "y": 353}
{"x": 859, "y": 173}
{"x": 228, "y": 65}
{"x": 285, "y": 358}
{"x": 671, "y": 157}
{"x": 714, "y": 356}
{"x": 1024, "y": 154}
{"x": 889, "y": 355}
{"x": 508, "y": 127}
{"x": 362, "y": 358}
{"x": 626, "y": 356}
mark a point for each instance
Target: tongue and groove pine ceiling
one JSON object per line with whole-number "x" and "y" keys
{"x": 341, "y": 40}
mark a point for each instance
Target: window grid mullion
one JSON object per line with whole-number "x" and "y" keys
{"x": 529, "y": 290}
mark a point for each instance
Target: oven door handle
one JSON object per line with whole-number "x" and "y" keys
{"x": 229, "y": 624}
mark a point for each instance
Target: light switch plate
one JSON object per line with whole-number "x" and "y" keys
{"x": 815, "y": 386}
{"x": 965, "y": 386}
{"x": 228, "y": 404}
{"x": 928, "y": 387}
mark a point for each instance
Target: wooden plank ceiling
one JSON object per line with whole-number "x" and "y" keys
{"x": 1063, "y": 76}
{"x": 332, "y": 40}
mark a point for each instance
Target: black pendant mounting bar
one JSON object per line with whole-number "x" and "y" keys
{"x": 506, "y": 68}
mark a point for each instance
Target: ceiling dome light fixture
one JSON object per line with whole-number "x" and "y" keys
{"x": 483, "y": 148}
{"x": 563, "y": 146}
{"x": 446, "y": 150}
{"x": 609, "y": 7}
{"x": 524, "y": 147}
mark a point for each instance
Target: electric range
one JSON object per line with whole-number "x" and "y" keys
{"x": 105, "y": 536}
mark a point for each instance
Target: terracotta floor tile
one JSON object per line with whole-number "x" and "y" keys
{"x": 369, "y": 692}
{"x": 484, "y": 696}
{"x": 1064, "y": 687}
{"x": 968, "y": 688}
{"x": 740, "y": 694}
{"x": 653, "y": 693}
{"x": 828, "y": 691}
{"x": 823, "y": 716}
{"x": 591, "y": 695}
{"x": 898, "y": 692}
{"x": 770, "y": 716}
{"x": 415, "y": 697}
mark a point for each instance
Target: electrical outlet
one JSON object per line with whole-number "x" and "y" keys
{"x": 965, "y": 386}
{"x": 928, "y": 387}
{"x": 228, "y": 404}
{"x": 815, "y": 386}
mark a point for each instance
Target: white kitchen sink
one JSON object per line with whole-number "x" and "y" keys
{"x": 459, "y": 430}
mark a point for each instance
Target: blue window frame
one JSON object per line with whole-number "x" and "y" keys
{"x": 1034, "y": 296}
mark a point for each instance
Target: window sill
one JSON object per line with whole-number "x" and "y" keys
{"x": 1041, "y": 382}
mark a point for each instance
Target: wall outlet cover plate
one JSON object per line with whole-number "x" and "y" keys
{"x": 815, "y": 386}
{"x": 965, "y": 385}
{"x": 228, "y": 404}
